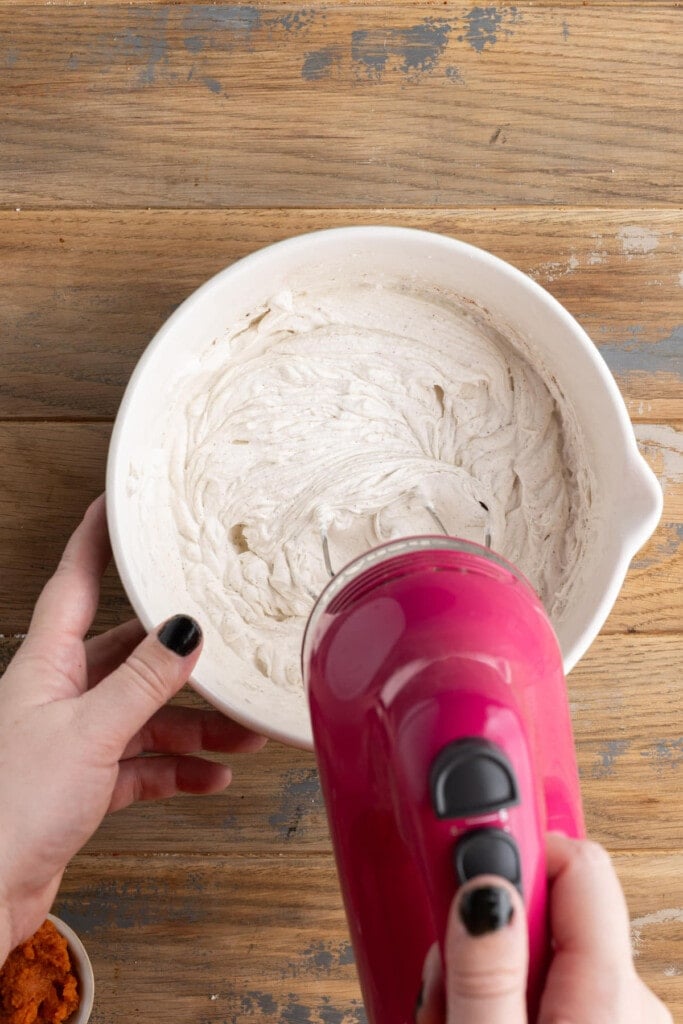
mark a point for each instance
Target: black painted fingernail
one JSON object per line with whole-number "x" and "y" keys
{"x": 181, "y": 634}
{"x": 420, "y": 1000}
{"x": 486, "y": 909}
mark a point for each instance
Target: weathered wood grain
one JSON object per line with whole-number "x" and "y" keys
{"x": 329, "y": 106}
{"x": 82, "y": 293}
{"x": 50, "y": 473}
{"x": 627, "y": 709}
{"x": 52, "y": 470}
{"x": 427, "y": 5}
{"x": 651, "y": 599}
{"x": 206, "y": 941}
{"x": 203, "y": 940}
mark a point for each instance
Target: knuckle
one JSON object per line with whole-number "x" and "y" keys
{"x": 148, "y": 676}
{"x": 54, "y": 587}
{"x": 64, "y": 566}
{"x": 71, "y": 573}
{"x": 478, "y": 985}
{"x": 591, "y": 854}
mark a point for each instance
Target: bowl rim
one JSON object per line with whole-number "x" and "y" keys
{"x": 83, "y": 968}
{"x": 645, "y": 483}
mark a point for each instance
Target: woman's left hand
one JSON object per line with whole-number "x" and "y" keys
{"x": 76, "y": 719}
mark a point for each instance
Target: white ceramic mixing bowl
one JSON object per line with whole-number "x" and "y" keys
{"x": 626, "y": 504}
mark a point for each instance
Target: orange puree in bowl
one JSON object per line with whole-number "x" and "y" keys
{"x": 37, "y": 983}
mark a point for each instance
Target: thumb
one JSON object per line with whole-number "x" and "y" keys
{"x": 486, "y": 954}
{"x": 158, "y": 667}
{"x": 591, "y": 935}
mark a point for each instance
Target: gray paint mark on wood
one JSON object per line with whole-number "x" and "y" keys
{"x": 212, "y": 84}
{"x": 369, "y": 49}
{"x": 637, "y": 356}
{"x": 565, "y": 31}
{"x": 320, "y": 955}
{"x": 318, "y": 64}
{"x": 295, "y": 1013}
{"x": 670, "y": 537}
{"x": 294, "y": 21}
{"x": 607, "y": 755}
{"x": 331, "y": 1015}
{"x": 236, "y": 20}
{"x": 194, "y": 44}
{"x": 485, "y": 24}
{"x": 253, "y": 999}
{"x": 327, "y": 956}
{"x": 300, "y": 795}
{"x": 264, "y": 1001}
{"x": 415, "y": 50}
{"x": 148, "y": 44}
{"x": 263, "y": 1007}
{"x": 120, "y": 905}
{"x": 346, "y": 954}
{"x": 11, "y": 58}
{"x": 665, "y": 754}
{"x": 454, "y": 75}
{"x": 144, "y": 42}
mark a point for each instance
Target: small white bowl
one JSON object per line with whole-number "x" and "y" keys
{"x": 626, "y": 506}
{"x": 82, "y": 968}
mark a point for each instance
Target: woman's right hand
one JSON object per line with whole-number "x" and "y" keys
{"x": 592, "y": 977}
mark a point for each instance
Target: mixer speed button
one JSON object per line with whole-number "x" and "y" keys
{"x": 488, "y": 851}
{"x": 471, "y": 776}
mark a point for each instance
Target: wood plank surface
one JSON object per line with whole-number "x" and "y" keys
{"x": 168, "y": 105}
{"x": 182, "y": 938}
{"x": 293, "y": 9}
{"x": 214, "y": 940}
{"x": 51, "y": 472}
{"x": 82, "y": 293}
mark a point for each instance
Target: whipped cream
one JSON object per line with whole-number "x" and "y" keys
{"x": 364, "y": 414}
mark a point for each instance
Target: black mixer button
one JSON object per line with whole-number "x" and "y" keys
{"x": 488, "y": 851}
{"x": 469, "y": 777}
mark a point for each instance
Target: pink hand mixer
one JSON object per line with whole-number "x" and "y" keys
{"x": 444, "y": 743}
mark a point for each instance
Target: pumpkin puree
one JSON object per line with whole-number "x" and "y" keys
{"x": 37, "y": 983}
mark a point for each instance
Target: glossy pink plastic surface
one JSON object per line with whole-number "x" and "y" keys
{"x": 424, "y": 648}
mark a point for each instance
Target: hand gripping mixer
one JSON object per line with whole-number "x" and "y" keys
{"x": 445, "y": 749}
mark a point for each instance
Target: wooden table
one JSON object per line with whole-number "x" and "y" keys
{"x": 144, "y": 146}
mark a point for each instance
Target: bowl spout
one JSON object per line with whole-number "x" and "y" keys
{"x": 643, "y": 503}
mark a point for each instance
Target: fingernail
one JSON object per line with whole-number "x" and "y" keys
{"x": 181, "y": 634}
{"x": 486, "y": 909}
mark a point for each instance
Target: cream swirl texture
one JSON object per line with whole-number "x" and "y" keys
{"x": 361, "y": 415}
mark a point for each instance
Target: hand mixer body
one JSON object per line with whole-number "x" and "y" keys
{"x": 445, "y": 750}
